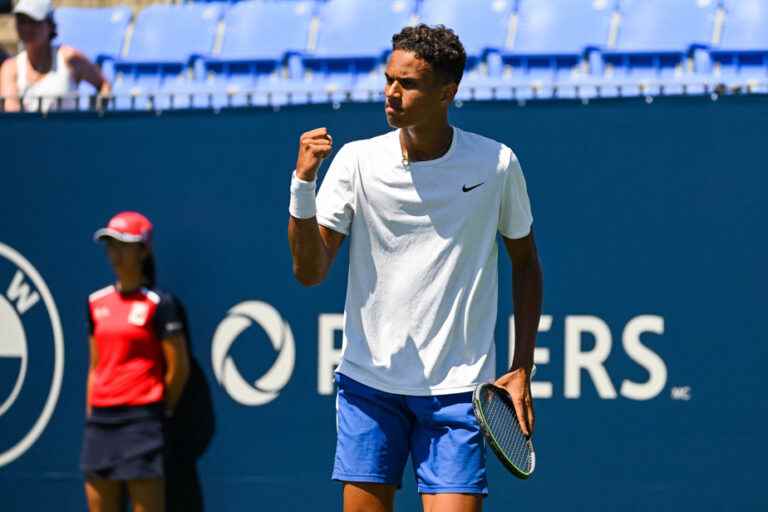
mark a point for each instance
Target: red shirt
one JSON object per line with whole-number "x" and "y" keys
{"x": 128, "y": 330}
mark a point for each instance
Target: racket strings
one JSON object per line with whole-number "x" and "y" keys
{"x": 501, "y": 415}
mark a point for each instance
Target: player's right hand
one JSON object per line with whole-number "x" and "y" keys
{"x": 518, "y": 385}
{"x": 314, "y": 146}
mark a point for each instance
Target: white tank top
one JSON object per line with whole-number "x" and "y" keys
{"x": 57, "y": 82}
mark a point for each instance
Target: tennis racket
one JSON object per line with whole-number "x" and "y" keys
{"x": 496, "y": 414}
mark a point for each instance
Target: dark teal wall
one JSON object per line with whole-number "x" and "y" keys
{"x": 640, "y": 209}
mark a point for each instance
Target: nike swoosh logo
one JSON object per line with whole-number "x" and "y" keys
{"x": 467, "y": 189}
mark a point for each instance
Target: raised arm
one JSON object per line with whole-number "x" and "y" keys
{"x": 313, "y": 247}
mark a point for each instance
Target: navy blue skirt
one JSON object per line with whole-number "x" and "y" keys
{"x": 124, "y": 443}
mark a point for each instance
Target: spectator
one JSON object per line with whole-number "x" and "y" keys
{"x": 44, "y": 77}
{"x": 139, "y": 366}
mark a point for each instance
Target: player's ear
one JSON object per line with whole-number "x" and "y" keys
{"x": 449, "y": 92}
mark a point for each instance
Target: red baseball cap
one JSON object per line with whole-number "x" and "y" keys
{"x": 127, "y": 227}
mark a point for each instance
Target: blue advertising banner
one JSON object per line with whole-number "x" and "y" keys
{"x": 651, "y": 356}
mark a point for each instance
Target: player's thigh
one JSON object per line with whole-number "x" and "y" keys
{"x": 452, "y": 502}
{"x": 447, "y": 446}
{"x": 367, "y": 497}
{"x": 372, "y": 436}
{"x": 104, "y": 495}
{"x": 147, "y": 495}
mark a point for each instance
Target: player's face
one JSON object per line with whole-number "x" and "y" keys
{"x": 125, "y": 257}
{"x": 414, "y": 93}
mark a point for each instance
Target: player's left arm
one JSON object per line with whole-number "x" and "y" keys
{"x": 527, "y": 297}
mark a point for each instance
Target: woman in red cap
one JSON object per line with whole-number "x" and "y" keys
{"x": 138, "y": 368}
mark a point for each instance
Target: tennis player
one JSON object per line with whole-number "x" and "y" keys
{"x": 139, "y": 366}
{"x": 422, "y": 206}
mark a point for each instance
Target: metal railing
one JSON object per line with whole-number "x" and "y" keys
{"x": 249, "y": 98}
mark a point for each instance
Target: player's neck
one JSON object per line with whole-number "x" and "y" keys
{"x": 420, "y": 143}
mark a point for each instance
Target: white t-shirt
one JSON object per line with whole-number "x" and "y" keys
{"x": 423, "y": 274}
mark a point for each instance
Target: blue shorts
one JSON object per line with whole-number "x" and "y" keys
{"x": 377, "y": 431}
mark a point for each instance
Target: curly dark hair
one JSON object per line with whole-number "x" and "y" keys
{"x": 439, "y": 46}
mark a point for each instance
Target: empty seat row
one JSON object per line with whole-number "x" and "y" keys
{"x": 350, "y": 29}
{"x": 300, "y": 49}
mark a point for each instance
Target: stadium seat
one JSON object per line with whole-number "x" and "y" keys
{"x": 665, "y": 26}
{"x": 352, "y": 40}
{"x": 259, "y": 38}
{"x": 357, "y": 34}
{"x": 654, "y": 42}
{"x": 482, "y": 25}
{"x": 130, "y": 95}
{"x": 741, "y": 57}
{"x": 265, "y": 31}
{"x": 97, "y": 32}
{"x": 561, "y": 27}
{"x": 296, "y": 91}
{"x": 478, "y": 86}
{"x": 165, "y": 41}
{"x": 556, "y": 43}
{"x": 369, "y": 87}
{"x": 174, "y": 33}
{"x": 214, "y": 92}
{"x": 746, "y": 27}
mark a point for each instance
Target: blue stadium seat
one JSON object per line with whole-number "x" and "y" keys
{"x": 165, "y": 40}
{"x": 97, "y": 32}
{"x": 746, "y": 27}
{"x": 480, "y": 24}
{"x": 654, "y": 41}
{"x": 259, "y": 37}
{"x": 369, "y": 87}
{"x": 359, "y": 33}
{"x": 265, "y": 31}
{"x": 665, "y": 26}
{"x": 173, "y": 34}
{"x": 300, "y": 91}
{"x": 479, "y": 86}
{"x": 561, "y": 27}
{"x": 554, "y": 43}
{"x": 741, "y": 57}
{"x": 214, "y": 93}
{"x": 133, "y": 93}
{"x": 352, "y": 39}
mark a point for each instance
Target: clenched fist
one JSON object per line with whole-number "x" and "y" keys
{"x": 314, "y": 146}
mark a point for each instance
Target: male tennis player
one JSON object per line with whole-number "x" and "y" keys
{"x": 422, "y": 206}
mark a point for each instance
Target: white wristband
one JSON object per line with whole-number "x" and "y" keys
{"x": 302, "y": 205}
